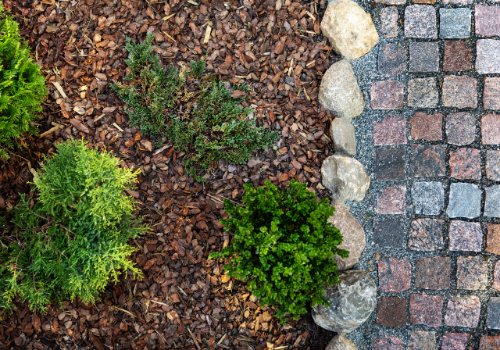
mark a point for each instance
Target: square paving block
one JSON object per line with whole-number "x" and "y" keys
{"x": 490, "y": 129}
{"x": 493, "y": 238}
{"x": 493, "y": 320}
{"x": 465, "y": 164}
{"x": 427, "y": 198}
{"x": 392, "y": 200}
{"x": 454, "y": 23}
{"x": 423, "y": 93}
{"x": 460, "y": 128}
{"x": 388, "y": 343}
{"x": 388, "y": 94}
{"x": 457, "y": 56}
{"x": 454, "y": 341}
{"x": 459, "y": 91}
{"x": 491, "y": 97}
{"x": 426, "y": 127}
{"x": 426, "y": 235}
{"x": 420, "y": 22}
{"x": 487, "y": 23}
{"x": 428, "y": 160}
{"x": 433, "y": 273}
{"x": 394, "y": 275}
{"x": 463, "y": 311}
{"x": 488, "y": 56}
{"x": 392, "y": 59}
{"x": 391, "y": 312}
{"x": 390, "y": 164}
{"x": 388, "y": 233}
{"x": 422, "y": 340}
{"x": 465, "y": 236}
{"x": 492, "y": 202}
{"x": 493, "y": 165}
{"x": 426, "y": 309}
{"x": 472, "y": 272}
{"x": 424, "y": 57}
{"x": 464, "y": 201}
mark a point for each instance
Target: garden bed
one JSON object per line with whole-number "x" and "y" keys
{"x": 184, "y": 301}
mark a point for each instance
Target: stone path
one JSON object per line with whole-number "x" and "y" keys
{"x": 430, "y": 138}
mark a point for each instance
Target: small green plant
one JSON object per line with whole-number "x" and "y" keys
{"x": 73, "y": 240}
{"x": 284, "y": 246}
{"x": 196, "y": 112}
{"x": 22, "y": 86}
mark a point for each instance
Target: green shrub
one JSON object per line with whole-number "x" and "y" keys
{"x": 196, "y": 112}
{"x": 73, "y": 240}
{"x": 284, "y": 246}
{"x": 22, "y": 86}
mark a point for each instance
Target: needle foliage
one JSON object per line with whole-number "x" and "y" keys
{"x": 283, "y": 246}
{"x": 22, "y": 86}
{"x": 73, "y": 240}
{"x": 194, "y": 110}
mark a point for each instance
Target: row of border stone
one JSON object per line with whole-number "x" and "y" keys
{"x": 352, "y": 34}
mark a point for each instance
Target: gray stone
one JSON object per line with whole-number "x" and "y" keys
{"x": 488, "y": 56}
{"x": 424, "y": 57}
{"x": 423, "y": 93}
{"x": 388, "y": 233}
{"x": 455, "y": 23}
{"x": 345, "y": 177}
{"x": 492, "y": 202}
{"x": 351, "y": 303}
{"x": 339, "y": 91}
{"x": 465, "y": 201}
{"x": 339, "y": 342}
{"x": 349, "y": 28}
{"x": 354, "y": 238}
{"x": 428, "y": 197}
{"x": 493, "y": 320}
{"x": 343, "y": 136}
{"x": 392, "y": 59}
{"x": 420, "y": 22}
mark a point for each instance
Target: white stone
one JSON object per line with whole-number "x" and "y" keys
{"x": 345, "y": 177}
{"x": 351, "y": 303}
{"x": 339, "y": 342}
{"x": 349, "y": 28}
{"x": 343, "y": 136}
{"x": 354, "y": 238}
{"x": 339, "y": 91}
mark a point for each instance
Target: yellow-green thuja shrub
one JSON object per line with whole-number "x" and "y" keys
{"x": 283, "y": 246}
{"x": 73, "y": 240}
{"x": 22, "y": 86}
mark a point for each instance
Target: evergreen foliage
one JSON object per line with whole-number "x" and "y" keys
{"x": 73, "y": 240}
{"x": 22, "y": 86}
{"x": 284, "y": 246}
{"x": 195, "y": 111}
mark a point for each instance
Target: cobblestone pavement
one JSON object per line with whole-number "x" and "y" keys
{"x": 433, "y": 136}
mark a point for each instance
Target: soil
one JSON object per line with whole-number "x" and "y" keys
{"x": 184, "y": 301}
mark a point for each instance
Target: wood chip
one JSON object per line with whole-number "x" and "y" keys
{"x": 60, "y": 89}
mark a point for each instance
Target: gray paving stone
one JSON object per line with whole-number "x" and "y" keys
{"x": 428, "y": 197}
{"x": 420, "y": 22}
{"x": 424, "y": 57}
{"x": 492, "y": 202}
{"x": 488, "y": 56}
{"x": 455, "y": 23}
{"x": 465, "y": 201}
{"x": 493, "y": 320}
{"x": 388, "y": 233}
{"x": 423, "y": 93}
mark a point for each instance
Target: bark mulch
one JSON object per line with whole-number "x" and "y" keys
{"x": 184, "y": 301}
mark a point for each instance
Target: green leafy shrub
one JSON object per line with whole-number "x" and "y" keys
{"x": 22, "y": 86}
{"x": 196, "y": 112}
{"x": 73, "y": 240}
{"x": 284, "y": 246}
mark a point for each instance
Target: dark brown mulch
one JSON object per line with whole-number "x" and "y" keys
{"x": 184, "y": 301}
